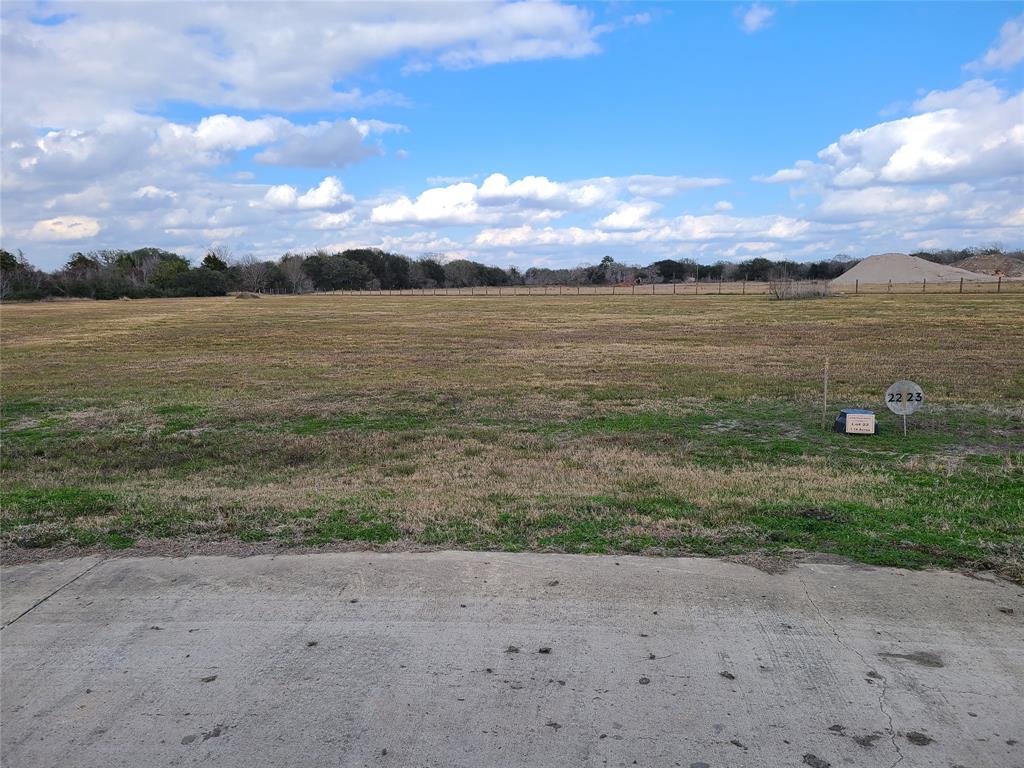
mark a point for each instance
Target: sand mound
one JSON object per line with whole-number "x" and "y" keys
{"x": 901, "y": 268}
{"x": 992, "y": 264}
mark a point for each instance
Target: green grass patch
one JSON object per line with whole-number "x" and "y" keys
{"x": 33, "y": 504}
{"x": 398, "y": 422}
{"x": 349, "y": 523}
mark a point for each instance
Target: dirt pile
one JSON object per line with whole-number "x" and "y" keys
{"x": 901, "y": 268}
{"x": 992, "y": 264}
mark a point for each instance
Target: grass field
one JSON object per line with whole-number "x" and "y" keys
{"x": 656, "y": 424}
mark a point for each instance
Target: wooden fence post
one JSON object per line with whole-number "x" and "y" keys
{"x": 961, "y": 285}
{"x": 924, "y": 284}
{"x": 824, "y": 399}
{"x": 999, "y": 285}
{"x": 856, "y": 287}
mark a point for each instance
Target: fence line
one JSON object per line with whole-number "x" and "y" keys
{"x": 707, "y": 288}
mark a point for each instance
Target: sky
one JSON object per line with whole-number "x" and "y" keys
{"x": 524, "y": 133}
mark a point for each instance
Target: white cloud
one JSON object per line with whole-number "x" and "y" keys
{"x": 282, "y": 196}
{"x": 682, "y": 229}
{"x": 541, "y": 192}
{"x": 801, "y": 171}
{"x": 965, "y": 134}
{"x": 531, "y": 197}
{"x": 755, "y": 17}
{"x": 629, "y": 216}
{"x": 318, "y": 145}
{"x": 454, "y": 204}
{"x": 272, "y": 56}
{"x": 128, "y": 145}
{"x": 1014, "y": 219}
{"x": 326, "y": 144}
{"x": 150, "y": 192}
{"x": 1008, "y": 49}
{"x": 723, "y": 205}
{"x": 876, "y": 201}
{"x": 64, "y": 228}
{"x": 233, "y": 132}
{"x": 969, "y": 133}
{"x": 667, "y": 186}
{"x": 329, "y": 194}
{"x": 333, "y": 220}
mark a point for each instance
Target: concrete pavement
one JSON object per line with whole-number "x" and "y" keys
{"x": 485, "y": 659}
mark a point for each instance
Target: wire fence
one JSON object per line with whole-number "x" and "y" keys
{"x": 793, "y": 289}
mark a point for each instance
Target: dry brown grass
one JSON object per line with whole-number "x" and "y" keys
{"x": 318, "y": 347}
{"x": 578, "y": 423}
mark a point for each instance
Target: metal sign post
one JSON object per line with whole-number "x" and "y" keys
{"x": 903, "y": 398}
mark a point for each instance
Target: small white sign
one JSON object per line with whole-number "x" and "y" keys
{"x": 904, "y": 397}
{"x": 860, "y": 423}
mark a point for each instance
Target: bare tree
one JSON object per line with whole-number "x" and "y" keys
{"x": 253, "y": 273}
{"x": 291, "y": 268}
{"x": 780, "y": 285}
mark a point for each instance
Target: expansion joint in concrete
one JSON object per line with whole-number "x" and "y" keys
{"x": 54, "y": 592}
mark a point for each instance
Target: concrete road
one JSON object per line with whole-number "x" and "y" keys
{"x": 482, "y": 659}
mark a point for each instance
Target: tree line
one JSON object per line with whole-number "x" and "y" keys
{"x": 153, "y": 272}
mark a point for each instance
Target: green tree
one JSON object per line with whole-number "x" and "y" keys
{"x": 199, "y": 282}
{"x": 80, "y": 262}
{"x": 433, "y": 270}
{"x": 165, "y": 274}
{"x": 214, "y": 262}
{"x": 332, "y": 272}
{"x": 8, "y": 261}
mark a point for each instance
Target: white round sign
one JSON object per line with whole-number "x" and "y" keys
{"x": 904, "y": 397}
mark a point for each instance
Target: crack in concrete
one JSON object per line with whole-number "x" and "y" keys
{"x": 884, "y": 688}
{"x": 58, "y": 589}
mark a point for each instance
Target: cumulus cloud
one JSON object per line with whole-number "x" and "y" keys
{"x": 232, "y": 132}
{"x": 126, "y": 144}
{"x": 629, "y": 216}
{"x": 541, "y": 192}
{"x": 454, "y": 204}
{"x": 1007, "y": 51}
{"x": 972, "y": 132}
{"x": 875, "y": 201}
{"x": 682, "y": 229}
{"x": 754, "y": 17}
{"x": 64, "y": 228}
{"x": 326, "y": 144}
{"x": 329, "y": 194}
{"x": 150, "y": 192}
{"x": 531, "y": 197}
{"x": 799, "y": 172}
{"x": 323, "y": 144}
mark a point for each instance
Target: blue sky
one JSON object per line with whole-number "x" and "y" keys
{"x": 519, "y": 133}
